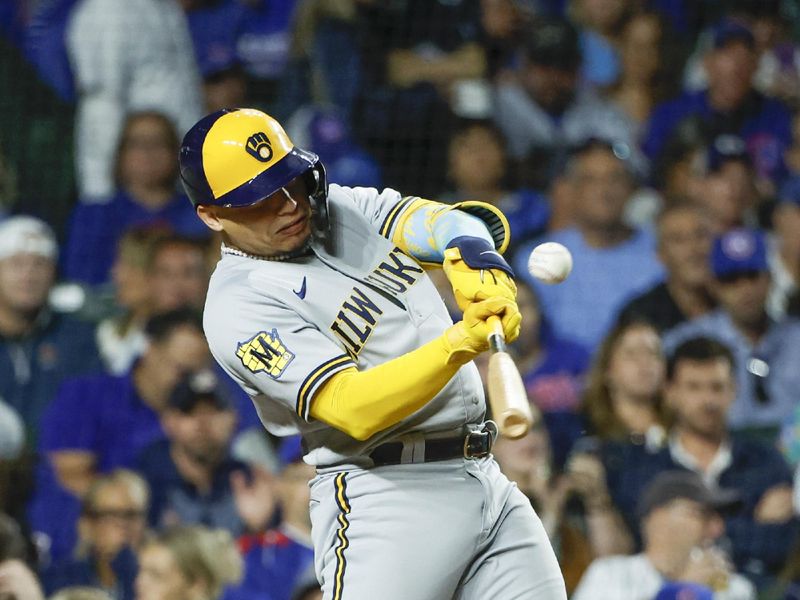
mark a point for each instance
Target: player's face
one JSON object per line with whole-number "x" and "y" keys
{"x": 279, "y": 224}
{"x": 700, "y": 394}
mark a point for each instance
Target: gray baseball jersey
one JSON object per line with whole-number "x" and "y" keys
{"x": 428, "y": 531}
{"x": 281, "y": 329}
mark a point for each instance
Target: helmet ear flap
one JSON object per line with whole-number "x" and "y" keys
{"x": 317, "y": 184}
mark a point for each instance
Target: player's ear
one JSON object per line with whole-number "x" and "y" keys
{"x": 208, "y": 215}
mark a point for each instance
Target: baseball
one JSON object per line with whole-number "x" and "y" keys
{"x": 550, "y": 262}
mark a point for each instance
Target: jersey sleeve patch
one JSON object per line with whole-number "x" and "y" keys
{"x": 265, "y": 352}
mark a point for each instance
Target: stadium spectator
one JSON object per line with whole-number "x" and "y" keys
{"x": 784, "y": 251}
{"x": 187, "y": 562}
{"x": 414, "y": 54}
{"x": 545, "y": 111}
{"x": 623, "y": 399}
{"x": 178, "y": 273}
{"x": 276, "y": 559}
{"x": 127, "y": 57}
{"x": 700, "y": 391}
{"x": 730, "y": 105}
{"x": 145, "y": 177}
{"x": 766, "y": 351}
{"x": 600, "y": 25}
{"x": 102, "y": 422}
{"x": 584, "y": 307}
{"x": 646, "y": 75}
{"x": 111, "y": 526}
{"x": 730, "y": 197}
{"x": 190, "y": 471}
{"x": 38, "y": 347}
{"x": 581, "y": 524}
{"x": 684, "y": 248}
{"x": 504, "y": 23}
{"x": 680, "y": 524}
{"x": 120, "y": 337}
{"x": 479, "y": 168}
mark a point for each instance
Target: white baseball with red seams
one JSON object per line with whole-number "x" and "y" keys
{"x": 550, "y": 262}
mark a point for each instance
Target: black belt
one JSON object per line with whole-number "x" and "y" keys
{"x": 475, "y": 444}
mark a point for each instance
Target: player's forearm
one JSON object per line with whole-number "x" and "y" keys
{"x": 362, "y": 403}
{"x": 426, "y": 228}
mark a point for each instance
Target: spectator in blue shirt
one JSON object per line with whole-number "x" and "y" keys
{"x": 729, "y": 105}
{"x": 190, "y": 471}
{"x": 38, "y": 347}
{"x": 767, "y": 352}
{"x": 103, "y": 422}
{"x": 111, "y": 527}
{"x": 684, "y": 245}
{"x": 276, "y": 559}
{"x": 700, "y": 391}
{"x": 583, "y": 307}
{"x": 145, "y": 174}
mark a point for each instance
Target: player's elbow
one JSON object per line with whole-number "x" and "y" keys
{"x": 363, "y": 431}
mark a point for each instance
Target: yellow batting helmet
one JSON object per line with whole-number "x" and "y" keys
{"x": 236, "y": 157}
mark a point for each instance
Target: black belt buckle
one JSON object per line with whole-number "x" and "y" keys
{"x": 478, "y": 444}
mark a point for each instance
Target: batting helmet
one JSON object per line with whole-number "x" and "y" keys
{"x": 236, "y": 157}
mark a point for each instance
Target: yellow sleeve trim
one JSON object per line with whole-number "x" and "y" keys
{"x": 316, "y": 378}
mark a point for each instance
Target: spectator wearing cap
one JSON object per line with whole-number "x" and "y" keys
{"x": 544, "y": 110}
{"x": 584, "y": 307}
{"x": 730, "y": 104}
{"x": 684, "y": 247}
{"x": 101, "y": 422}
{"x": 730, "y": 195}
{"x": 784, "y": 251}
{"x": 38, "y": 347}
{"x": 190, "y": 470}
{"x": 767, "y": 352}
{"x": 700, "y": 390}
{"x": 680, "y": 524}
{"x": 275, "y": 560}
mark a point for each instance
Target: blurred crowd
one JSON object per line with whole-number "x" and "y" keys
{"x": 658, "y": 140}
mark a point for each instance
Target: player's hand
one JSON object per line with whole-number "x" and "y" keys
{"x": 470, "y": 336}
{"x": 477, "y": 271}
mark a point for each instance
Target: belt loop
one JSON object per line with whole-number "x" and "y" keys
{"x": 413, "y": 449}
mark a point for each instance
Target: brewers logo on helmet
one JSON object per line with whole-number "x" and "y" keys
{"x": 236, "y": 157}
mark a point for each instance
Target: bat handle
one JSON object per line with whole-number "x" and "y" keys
{"x": 497, "y": 339}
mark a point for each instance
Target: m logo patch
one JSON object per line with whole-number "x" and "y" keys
{"x": 265, "y": 352}
{"x": 259, "y": 147}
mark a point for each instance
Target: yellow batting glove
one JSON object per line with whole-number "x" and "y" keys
{"x": 470, "y": 336}
{"x": 483, "y": 278}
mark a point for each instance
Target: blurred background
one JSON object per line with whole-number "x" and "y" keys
{"x": 659, "y": 140}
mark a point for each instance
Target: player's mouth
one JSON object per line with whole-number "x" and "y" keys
{"x": 295, "y": 227}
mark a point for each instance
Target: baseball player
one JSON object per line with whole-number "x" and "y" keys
{"x": 321, "y": 309}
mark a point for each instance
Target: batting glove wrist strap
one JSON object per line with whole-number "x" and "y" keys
{"x": 479, "y": 253}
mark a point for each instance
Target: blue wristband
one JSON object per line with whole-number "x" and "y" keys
{"x": 479, "y": 253}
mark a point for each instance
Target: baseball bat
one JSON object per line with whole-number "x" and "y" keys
{"x": 511, "y": 409}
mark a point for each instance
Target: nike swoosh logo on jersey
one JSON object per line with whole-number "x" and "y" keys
{"x": 302, "y": 292}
